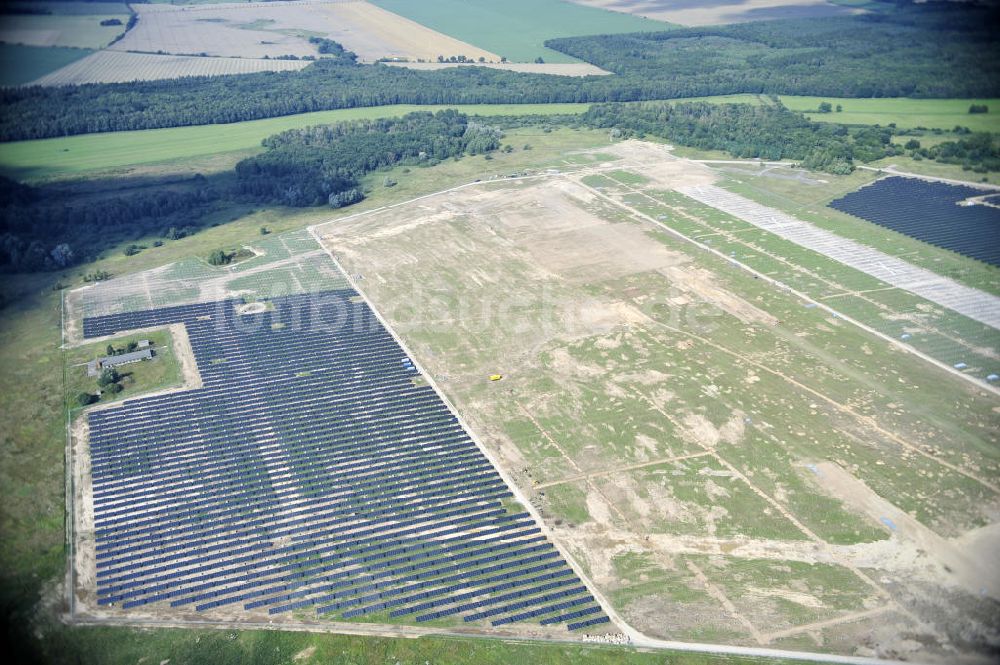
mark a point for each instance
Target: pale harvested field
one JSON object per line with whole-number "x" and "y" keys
{"x": 119, "y": 67}
{"x": 555, "y": 68}
{"x": 684, "y": 12}
{"x": 725, "y": 464}
{"x": 283, "y": 28}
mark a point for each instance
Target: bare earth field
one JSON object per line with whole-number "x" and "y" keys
{"x": 726, "y": 464}
{"x": 686, "y": 12}
{"x": 119, "y": 67}
{"x": 276, "y": 29}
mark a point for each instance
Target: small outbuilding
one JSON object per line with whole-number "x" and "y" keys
{"x": 95, "y": 367}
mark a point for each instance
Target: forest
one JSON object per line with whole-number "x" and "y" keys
{"x": 918, "y": 51}
{"x": 312, "y": 166}
{"x": 46, "y": 228}
{"x": 769, "y": 132}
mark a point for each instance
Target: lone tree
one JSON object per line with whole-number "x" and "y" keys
{"x": 219, "y": 257}
{"x": 108, "y": 377}
{"x": 979, "y": 108}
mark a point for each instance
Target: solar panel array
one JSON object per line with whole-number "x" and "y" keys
{"x": 929, "y": 211}
{"x": 311, "y": 471}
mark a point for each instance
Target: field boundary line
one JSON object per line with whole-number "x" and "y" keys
{"x": 590, "y": 483}
{"x": 624, "y": 469}
{"x": 719, "y": 595}
{"x": 835, "y": 621}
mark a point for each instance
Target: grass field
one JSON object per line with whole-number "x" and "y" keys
{"x": 905, "y": 113}
{"x": 70, "y": 30}
{"x": 74, "y": 155}
{"x": 163, "y": 371}
{"x": 517, "y": 29}
{"x": 23, "y": 64}
{"x": 47, "y": 158}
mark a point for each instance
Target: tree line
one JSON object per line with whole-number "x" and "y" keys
{"x": 920, "y": 51}
{"x": 768, "y": 131}
{"x": 324, "y": 164}
{"x": 47, "y": 228}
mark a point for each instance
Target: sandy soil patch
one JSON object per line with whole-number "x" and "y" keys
{"x": 969, "y": 562}
{"x": 654, "y": 162}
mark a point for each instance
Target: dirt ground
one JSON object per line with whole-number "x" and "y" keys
{"x": 615, "y": 350}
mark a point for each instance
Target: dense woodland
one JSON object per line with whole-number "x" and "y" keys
{"x": 49, "y": 228}
{"x": 769, "y": 132}
{"x": 920, "y": 51}
{"x": 937, "y": 50}
{"x": 314, "y": 165}
{"x": 976, "y": 152}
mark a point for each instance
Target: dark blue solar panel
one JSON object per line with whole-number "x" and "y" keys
{"x": 308, "y": 471}
{"x": 929, "y": 211}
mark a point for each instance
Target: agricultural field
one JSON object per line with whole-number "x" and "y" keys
{"x": 71, "y": 30}
{"x": 77, "y": 155}
{"x": 24, "y": 64}
{"x": 943, "y": 114}
{"x": 517, "y": 29}
{"x": 727, "y": 11}
{"x": 727, "y": 461}
{"x": 278, "y": 29}
{"x": 108, "y": 66}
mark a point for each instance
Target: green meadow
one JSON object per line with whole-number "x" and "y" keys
{"x": 517, "y": 29}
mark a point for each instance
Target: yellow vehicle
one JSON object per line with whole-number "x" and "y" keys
{"x": 496, "y": 377}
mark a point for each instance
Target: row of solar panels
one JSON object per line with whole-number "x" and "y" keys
{"x": 276, "y": 485}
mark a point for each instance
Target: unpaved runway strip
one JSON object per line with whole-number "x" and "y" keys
{"x": 973, "y": 303}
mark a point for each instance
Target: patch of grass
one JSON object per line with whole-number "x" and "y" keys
{"x": 567, "y": 502}
{"x": 124, "y": 646}
{"x": 903, "y": 112}
{"x": 65, "y": 156}
{"x": 22, "y": 64}
{"x": 517, "y": 29}
{"x": 161, "y": 371}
